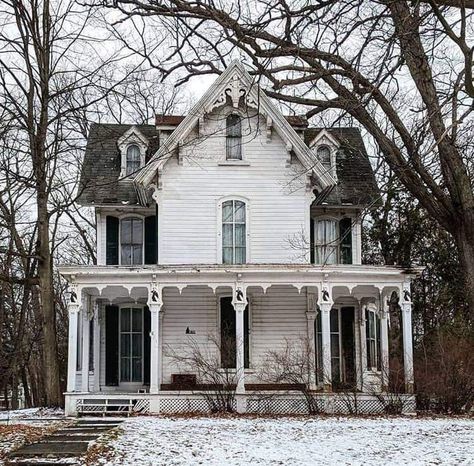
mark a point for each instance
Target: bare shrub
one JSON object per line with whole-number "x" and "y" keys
{"x": 444, "y": 372}
{"x": 295, "y": 365}
{"x": 392, "y": 398}
{"x": 217, "y": 380}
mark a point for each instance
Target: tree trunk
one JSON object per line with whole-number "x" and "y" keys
{"x": 464, "y": 236}
{"x": 48, "y": 312}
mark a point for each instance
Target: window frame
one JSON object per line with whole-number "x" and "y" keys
{"x": 130, "y": 383}
{"x": 339, "y": 244}
{"x": 375, "y": 364}
{"x": 324, "y": 245}
{"x": 328, "y": 164}
{"x": 233, "y": 137}
{"x": 139, "y": 154}
{"x": 220, "y": 233}
{"x": 126, "y": 217}
{"x": 131, "y": 137}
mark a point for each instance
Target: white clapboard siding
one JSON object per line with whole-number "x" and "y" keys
{"x": 188, "y": 204}
{"x": 195, "y": 308}
{"x": 276, "y": 317}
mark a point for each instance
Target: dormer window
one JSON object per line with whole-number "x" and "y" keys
{"x": 133, "y": 159}
{"x": 233, "y": 137}
{"x": 132, "y": 146}
{"x": 324, "y": 156}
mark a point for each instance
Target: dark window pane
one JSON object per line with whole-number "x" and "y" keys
{"x": 136, "y": 369}
{"x": 125, "y": 320}
{"x": 125, "y": 369}
{"x": 334, "y": 320}
{"x": 136, "y": 320}
{"x": 125, "y": 345}
{"x": 137, "y": 345}
{"x": 126, "y": 231}
{"x": 335, "y": 346}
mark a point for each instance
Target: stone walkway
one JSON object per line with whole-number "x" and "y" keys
{"x": 63, "y": 446}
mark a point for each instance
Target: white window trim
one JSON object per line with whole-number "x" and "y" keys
{"x": 124, "y": 217}
{"x": 131, "y": 385}
{"x": 219, "y": 228}
{"x": 219, "y": 296}
{"x": 132, "y": 137}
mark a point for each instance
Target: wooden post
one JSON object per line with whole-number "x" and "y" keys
{"x": 407, "y": 346}
{"x": 310, "y": 319}
{"x": 325, "y": 304}
{"x": 154, "y": 305}
{"x": 85, "y": 344}
{"x": 384, "y": 353}
{"x": 73, "y": 311}
{"x": 96, "y": 346}
{"x": 239, "y": 303}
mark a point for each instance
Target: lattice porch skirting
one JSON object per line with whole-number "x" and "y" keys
{"x": 255, "y": 403}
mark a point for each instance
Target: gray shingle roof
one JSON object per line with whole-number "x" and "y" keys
{"x": 101, "y": 167}
{"x": 99, "y": 183}
{"x": 356, "y": 179}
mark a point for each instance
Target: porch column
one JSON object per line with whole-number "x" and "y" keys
{"x": 325, "y": 305}
{"x": 239, "y": 302}
{"x": 406, "y": 305}
{"x": 85, "y": 344}
{"x": 384, "y": 353}
{"x": 96, "y": 346}
{"x": 154, "y": 305}
{"x": 73, "y": 311}
{"x": 310, "y": 320}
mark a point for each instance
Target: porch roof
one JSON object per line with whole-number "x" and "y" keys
{"x": 252, "y": 274}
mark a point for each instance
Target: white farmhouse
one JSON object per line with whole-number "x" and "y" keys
{"x": 231, "y": 224}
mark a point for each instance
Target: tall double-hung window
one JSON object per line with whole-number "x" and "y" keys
{"x": 234, "y": 232}
{"x": 332, "y": 241}
{"x": 131, "y": 241}
{"x": 372, "y": 334}
{"x": 133, "y": 159}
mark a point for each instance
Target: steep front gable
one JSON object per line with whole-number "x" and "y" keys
{"x": 236, "y": 88}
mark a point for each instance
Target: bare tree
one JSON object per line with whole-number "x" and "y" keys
{"x": 401, "y": 70}
{"x": 51, "y": 73}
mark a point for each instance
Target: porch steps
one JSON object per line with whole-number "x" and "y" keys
{"x": 62, "y": 447}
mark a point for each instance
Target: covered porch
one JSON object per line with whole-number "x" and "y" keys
{"x": 127, "y": 324}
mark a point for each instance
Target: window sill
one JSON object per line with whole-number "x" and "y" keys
{"x": 233, "y": 163}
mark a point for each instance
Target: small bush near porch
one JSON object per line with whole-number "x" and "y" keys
{"x": 292, "y": 441}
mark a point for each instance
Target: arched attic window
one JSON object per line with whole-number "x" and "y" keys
{"x": 324, "y": 156}
{"x": 233, "y": 137}
{"x": 133, "y": 159}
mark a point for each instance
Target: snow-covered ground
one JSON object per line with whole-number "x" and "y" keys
{"x": 31, "y": 414}
{"x": 156, "y": 441}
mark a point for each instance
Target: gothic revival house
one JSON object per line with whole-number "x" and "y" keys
{"x": 234, "y": 223}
